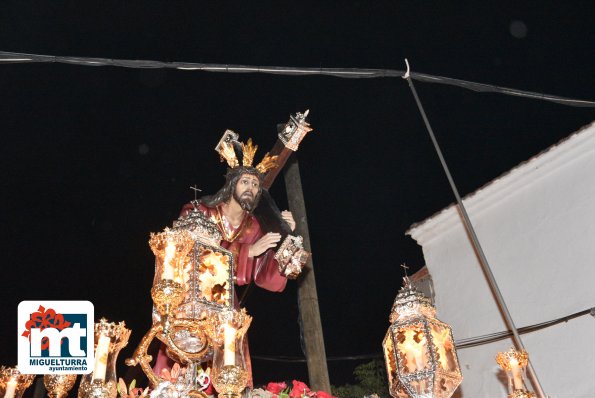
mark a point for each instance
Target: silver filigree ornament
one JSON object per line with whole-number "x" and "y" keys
{"x": 184, "y": 386}
{"x": 291, "y": 256}
{"x": 294, "y": 131}
{"x": 419, "y": 349}
{"x": 199, "y": 225}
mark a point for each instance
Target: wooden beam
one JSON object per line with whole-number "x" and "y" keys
{"x": 307, "y": 294}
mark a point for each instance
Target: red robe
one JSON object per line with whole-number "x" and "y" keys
{"x": 263, "y": 270}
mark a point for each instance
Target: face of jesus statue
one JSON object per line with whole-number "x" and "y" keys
{"x": 246, "y": 191}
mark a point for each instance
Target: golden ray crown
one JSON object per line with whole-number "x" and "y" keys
{"x": 227, "y": 153}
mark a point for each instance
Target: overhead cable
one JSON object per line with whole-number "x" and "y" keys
{"x": 459, "y": 344}
{"x": 346, "y": 73}
{"x": 282, "y": 358}
{"x": 490, "y": 338}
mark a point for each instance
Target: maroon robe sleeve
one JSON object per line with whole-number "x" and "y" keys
{"x": 263, "y": 269}
{"x": 268, "y": 276}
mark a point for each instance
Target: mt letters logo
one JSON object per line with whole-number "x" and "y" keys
{"x": 55, "y": 337}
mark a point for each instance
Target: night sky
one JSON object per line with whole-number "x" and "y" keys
{"x": 94, "y": 159}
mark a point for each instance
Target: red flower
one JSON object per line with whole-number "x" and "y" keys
{"x": 322, "y": 394}
{"x": 276, "y": 388}
{"x": 210, "y": 389}
{"x": 299, "y": 389}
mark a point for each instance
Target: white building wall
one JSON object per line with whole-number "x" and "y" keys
{"x": 536, "y": 225}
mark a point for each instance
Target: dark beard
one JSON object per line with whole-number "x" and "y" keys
{"x": 246, "y": 203}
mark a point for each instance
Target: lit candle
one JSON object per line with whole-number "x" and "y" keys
{"x": 168, "y": 269}
{"x": 517, "y": 377}
{"x": 229, "y": 345}
{"x": 11, "y": 387}
{"x": 101, "y": 357}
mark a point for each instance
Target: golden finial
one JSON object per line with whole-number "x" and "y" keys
{"x": 226, "y": 151}
{"x": 248, "y": 150}
{"x": 268, "y": 162}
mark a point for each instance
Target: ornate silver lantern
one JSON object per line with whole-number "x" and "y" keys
{"x": 419, "y": 349}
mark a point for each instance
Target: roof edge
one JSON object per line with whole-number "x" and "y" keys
{"x": 525, "y": 174}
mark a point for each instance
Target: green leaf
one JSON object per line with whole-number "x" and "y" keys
{"x": 371, "y": 378}
{"x": 132, "y": 385}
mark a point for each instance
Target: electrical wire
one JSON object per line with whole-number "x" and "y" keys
{"x": 490, "y": 338}
{"x": 459, "y": 344}
{"x": 282, "y": 358}
{"x": 346, "y": 73}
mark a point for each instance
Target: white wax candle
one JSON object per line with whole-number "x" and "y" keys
{"x": 517, "y": 378}
{"x": 168, "y": 269}
{"x": 229, "y": 345}
{"x": 101, "y": 357}
{"x": 11, "y": 387}
{"x": 419, "y": 362}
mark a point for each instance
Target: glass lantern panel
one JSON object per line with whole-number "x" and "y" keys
{"x": 213, "y": 270}
{"x": 229, "y": 371}
{"x": 445, "y": 386}
{"x": 170, "y": 248}
{"x": 421, "y": 388}
{"x": 412, "y": 347}
{"x": 398, "y": 391}
{"x": 390, "y": 361}
{"x": 444, "y": 346}
{"x": 516, "y": 379}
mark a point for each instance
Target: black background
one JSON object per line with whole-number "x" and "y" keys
{"x": 93, "y": 159}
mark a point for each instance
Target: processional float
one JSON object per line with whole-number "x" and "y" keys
{"x": 193, "y": 294}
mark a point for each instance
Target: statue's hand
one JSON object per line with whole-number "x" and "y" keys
{"x": 268, "y": 241}
{"x": 288, "y": 217}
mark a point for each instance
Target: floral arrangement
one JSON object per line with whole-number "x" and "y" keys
{"x": 298, "y": 389}
{"x": 179, "y": 382}
{"x": 171, "y": 387}
{"x": 131, "y": 391}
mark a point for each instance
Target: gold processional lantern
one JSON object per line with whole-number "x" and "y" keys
{"x": 229, "y": 373}
{"x": 13, "y": 383}
{"x": 419, "y": 349}
{"x": 514, "y": 363}
{"x": 193, "y": 286}
{"x": 110, "y": 338}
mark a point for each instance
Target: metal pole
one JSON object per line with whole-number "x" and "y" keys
{"x": 307, "y": 295}
{"x": 483, "y": 261}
